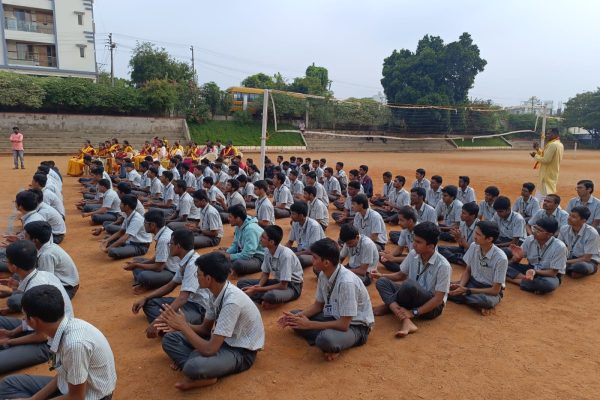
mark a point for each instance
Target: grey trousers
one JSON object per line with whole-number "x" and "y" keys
{"x": 58, "y": 238}
{"x": 245, "y": 267}
{"x": 227, "y": 361}
{"x": 203, "y": 241}
{"x": 306, "y": 260}
{"x": 18, "y": 357}
{"x": 100, "y": 219}
{"x": 282, "y": 213}
{"x": 194, "y": 313}
{"x": 408, "y": 294}
{"x": 339, "y": 204}
{"x": 454, "y": 254}
{"x": 128, "y": 250}
{"x": 394, "y": 236}
{"x": 277, "y": 296}
{"x": 539, "y": 284}
{"x": 583, "y": 268}
{"x": 14, "y": 301}
{"x": 18, "y": 156}
{"x": 366, "y": 279}
{"x": 476, "y": 300}
{"x": 111, "y": 228}
{"x": 152, "y": 279}
{"x": 25, "y": 386}
{"x": 332, "y": 340}
{"x": 91, "y": 207}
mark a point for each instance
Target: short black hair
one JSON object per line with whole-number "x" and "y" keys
{"x": 280, "y": 177}
{"x": 294, "y": 172}
{"x": 362, "y": 200}
{"x": 44, "y": 302}
{"x": 104, "y": 183}
{"x": 341, "y": 164}
{"x": 529, "y": 186}
{"x": 168, "y": 174}
{"x": 184, "y": 238}
{"x": 41, "y": 179}
{"x": 450, "y": 190}
{"x": 124, "y": 187}
{"x": 421, "y": 192}
{"x": 327, "y": 249}
{"x": 39, "y": 195}
{"x": 407, "y": 212}
{"x": 209, "y": 180}
{"x": 554, "y": 197}
{"x": 364, "y": 167}
{"x": 180, "y": 183}
{"x": 27, "y": 200}
{"x": 312, "y": 175}
{"x": 215, "y": 265}
{"x": 549, "y": 224}
{"x": 156, "y": 217}
{"x": 40, "y": 230}
{"x": 427, "y": 231}
{"x": 437, "y": 178}
{"x": 200, "y": 195}
{"x": 348, "y": 232}
{"x": 130, "y": 201}
{"x": 261, "y": 184}
{"x": 299, "y": 207}
{"x": 489, "y": 229}
{"x": 242, "y": 178}
{"x": 387, "y": 174}
{"x": 502, "y": 203}
{"x": 492, "y": 191}
{"x": 354, "y": 185}
{"x": 310, "y": 190}
{"x": 238, "y": 211}
{"x": 400, "y": 179}
{"x": 471, "y": 208}
{"x": 465, "y": 179}
{"x": 22, "y": 254}
{"x": 588, "y": 184}
{"x": 274, "y": 233}
{"x": 420, "y": 171}
{"x": 582, "y": 211}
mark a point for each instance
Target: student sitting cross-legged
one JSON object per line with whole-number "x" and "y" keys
{"x": 228, "y": 340}
{"x": 407, "y": 218}
{"x": 424, "y": 278}
{"x": 81, "y": 355}
{"x": 361, "y": 251}
{"x": 341, "y": 316}
{"x": 482, "y": 283}
{"x": 546, "y": 259}
{"x": 583, "y": 244}
{"x": 281, "y": 263}
{"x": 305, "y": 231}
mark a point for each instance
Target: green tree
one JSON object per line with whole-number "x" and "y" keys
{"x": 159, "y": 96}
{"x": 583, "y": 111}
{"x": 320, "y": 73}
{"x": 260, "y": 81}
{"x": 225, "y": 103}
{"x": 19, "y": 91}
{"x": 149, "y": 62}
{"x": 212, "y": 96}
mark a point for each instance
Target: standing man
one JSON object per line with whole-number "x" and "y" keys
{"x": 549, "y": 158}
{"x": 16, "y": 139}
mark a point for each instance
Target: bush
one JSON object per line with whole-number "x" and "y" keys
{"x": 242, "y": 117}
{"x": 20, "y": 91}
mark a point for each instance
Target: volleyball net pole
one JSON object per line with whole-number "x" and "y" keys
{"x": 263, "y": 134}
{"x": 543, "y": 133}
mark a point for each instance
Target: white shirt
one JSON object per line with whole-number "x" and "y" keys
{"x": 53, "y": 259}
{"x": 593, "y": 204}
{"x": 370, "y": 224}
{"x": 586, "y": 241}
{"x": 53, "y": 217}
{"x": 162, "y": 253}
{"x": 185, "y": 203}
{"x": 488, "y": 268}
{"x": 434, "y": 197}
{"x": 283, "y": 195}
{"x": 467, "y": 195}
{"x": 317, "y": 210}
{"x": 284, "y": 265}
{"x": 210, "y": 220}
{"x": 450, "y": 213}
{"x": 426, "y": 213}
{"x": 186, "y": 275}
{"x": 135, "y": 178}
{"x": 433, "y": 277}
{"x": 37, "y": 278}
{"x": 553, "y": 255}
{"x": 111, "y": 201}
{"x": 53, "y": 201}
{"x": 264, "y": 210}
{"x": 133, "y": 225}
{"x": 423, "y": 183}
{"x": 511, "y": 227}
{"x": 526, "y": 208}
{"x": 306, "y": 234}
{"x": 332, "y": 186}
{"x": 365, "y": 252}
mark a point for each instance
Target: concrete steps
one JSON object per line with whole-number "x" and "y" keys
{"x": 349, "y": 144}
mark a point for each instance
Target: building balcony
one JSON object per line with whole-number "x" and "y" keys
{"x": 37, "y": 4}
{"x": 33, "y": 59}
{"x": 14, "y": 24}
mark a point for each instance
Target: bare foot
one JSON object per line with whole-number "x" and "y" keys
{"x": 576, "y": 275}
{"x": 174, "y": 366}
{"x": 381, "y": 310}
{"x": 487, "y": 311}
{"x": 151, "y": 332}
{"x": 188, "y": 384}
{"x": 269, "y": 306}
{"x": 407, "y": 328}
{"x": 331, "y": 356}
{"x": 138, "y": 289}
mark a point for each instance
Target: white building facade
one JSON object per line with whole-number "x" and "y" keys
{"x": 48, "y": 37}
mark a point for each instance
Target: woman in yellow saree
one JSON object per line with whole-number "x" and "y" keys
{"x": 75, "y": 166}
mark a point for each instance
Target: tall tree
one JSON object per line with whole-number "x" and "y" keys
{"x": 260, "y": 81}
{"x": 212, "y": 96}
{"x": 149, "y": 62}
{"x": 583, "y": 111}
{"x": 321, "y": 74}
{"x": 436, "y": 73}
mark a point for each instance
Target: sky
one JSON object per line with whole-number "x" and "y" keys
{"x": 548, "y": 49}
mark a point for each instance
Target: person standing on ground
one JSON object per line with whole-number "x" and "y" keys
{"x": 549, "y": 158}
{"x": 16, "y": 139}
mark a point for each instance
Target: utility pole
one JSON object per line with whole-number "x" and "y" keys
{"x": 193, "y": 64}
{"x": 111, "y": 46}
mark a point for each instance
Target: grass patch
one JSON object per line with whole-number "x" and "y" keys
{"x": 242, "y": 135}
{"x": 483, "y": 142}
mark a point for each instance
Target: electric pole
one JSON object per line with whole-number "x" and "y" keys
{"x": 111, "y": 46}
{"x": 193, "y": 65}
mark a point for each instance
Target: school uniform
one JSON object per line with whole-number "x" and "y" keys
{"x": 321, "y": 193}
{"x": 426, "y": 214}
{"x": 283, "y": 266}
{"x": 332, "y": 188}
{"x": 454, "y": 254}
{"x": 305, "y": 235}
{"x": 282, "y": 195}
{"x": 526, "y": 208}
{"x": 221, "y": 178}
{"x": 246, "y": 253}
{"x": 370, "y": 224}
{"x": 156, "y": 188}
{"x": 593, "y": 204}
{"x": 342, "y": 295}
{"x": 553, "y": 255}
{"x": 265, "y": 210}
{"x": 297, "y": 188}
{"x": 175, "y": 172}
{"x": 586, "y": 241}
{"x": 317, "y": 210}
{"x": 207, "y": 172}
{"x": 186, "y": 276}
{"x": 398, "y": 198}
{"x": 213, "y": 193}
{"x": 54, "y": 201}
{"x": 421, "y": 284}
{"x": 486, "y": 210}
{"x": 450, "y": 213}
{"x": 365, "y": 252}
{"x": 134, "y": 178}
{"x": 466, "y": 196}
{"x": 210, "y": 220}
{"x": 52, "y": 258}
{"x": 434, "y": 197}
{"x": 237, "y": 319}
{"x": 511, "y": 227}
{"x": 346, "y": 205}
{"x": 138, "y": 242}
{"x": 231, "y": 199}
{"x": 190, "y": 180}
{"x": 486, "y": 270}
{"x": 112, "y": 203}
{"x": 559, "y": 215}
{"x": 423, "y": 183}
{"x": 21, "y": 356}
{"x": 405, "y": 239}
{"x": 56, "y": 221}
{"x": 155, "y": 279}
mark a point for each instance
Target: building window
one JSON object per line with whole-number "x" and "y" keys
{"x": 79, "y": 17}
{"x": 81, "y": 51}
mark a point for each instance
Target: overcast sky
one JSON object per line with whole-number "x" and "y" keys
{"x": 549, "y": 49}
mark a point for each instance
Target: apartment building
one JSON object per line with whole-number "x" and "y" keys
{"x": 48, "y": 37}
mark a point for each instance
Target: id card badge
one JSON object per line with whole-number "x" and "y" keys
{"x": 328, "y": 310}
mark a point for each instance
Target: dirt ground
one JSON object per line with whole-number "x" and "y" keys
{"x": 533, "y": 347}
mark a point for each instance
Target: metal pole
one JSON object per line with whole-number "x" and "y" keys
{"x": 263, "y": 136}
{"x": 543, "y": 135}
{"x": 112, "y": 46}
{"x": 193, "y": 64}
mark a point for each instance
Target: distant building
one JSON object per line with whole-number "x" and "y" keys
{"x": 48, "y": 37}
{"x": 533, "y": 106}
